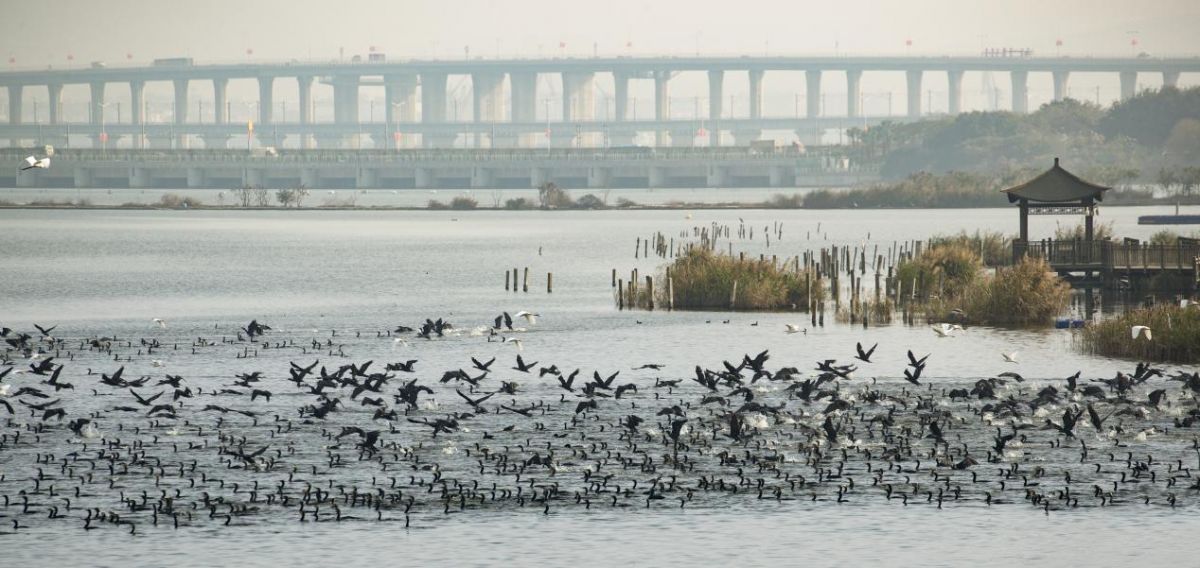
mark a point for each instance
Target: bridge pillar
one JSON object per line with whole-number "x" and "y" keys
{"x": 657, "y": 177}
{"x": 813, "y": 92}
{"x": 756, "y": 93}
{"x": 716, "y": 96}
{"x": 425, "y": 178}
{"x": 538, "y": 177}
{"x": 96, "y": 109}
{"x": 216, "y": 141}
{"x": 1020, "y": 91}
{"x": 140, "y": 177}
{"x": 253, "y": 177}
{"x": 433, "y": 106}
{"x": 1171, "y": 79}
{"x": 482, "y": 178}
{"x": 662, "y": 104}
{"x": 400, "y": 92}
{"x": 523, "y": 86}
{"x": 15, "y": 94}
{"x": 266, "y": 100}
{"x": 914, "y": 92}
{"x": 683, "y": 137}
{"x": 137, "y": 110}
{"x": 366, "y": 178}
{"x": 487, "y": 103}
{"x": 1060, "y": 84}
{"x": 181, "y": 109}
{"x": 84, "y": 177}
{"x": 579, "y": 104}
{"x": 305, "y": 84}
{"x": 599, "y": 177}
{"x": 196, "y": 177}
{"x": 782, "y": 176}
{"x": 717, "y": 176}
{"x": 55, "y": 104}
{"x": 853, "y": 92}
{"x": 621, "y": 96}
{"x": 220, "y": 100}
{"x": 1128, "y": 84}
{"x": 345, "y": 107}
{"x": 954, "y": 79}
{"x": 28, "y": 178}
{"x": 310, "y": 178}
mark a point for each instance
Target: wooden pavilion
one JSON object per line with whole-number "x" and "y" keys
{"x": 1056, "y": 192}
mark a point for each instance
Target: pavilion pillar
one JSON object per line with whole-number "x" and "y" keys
{"x": 1087, "y": 221}
{"x": 1025, "y": 221}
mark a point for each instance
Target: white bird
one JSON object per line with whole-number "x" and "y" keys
{"x": 529, "y": 317}
{"x": 32, "y": 162}
{"x": 157, "y": 363}
{"x": 793, "y": 328}
{"x": 946, "y": 329}
{"x": 161, "y": 322}
{"x": 520, "y": 345}
{"x": 1010, "y": 357}
{"x": 399, "y": 342}
{"x": 4, "y": 389}
{"x": 1141, "y": 330}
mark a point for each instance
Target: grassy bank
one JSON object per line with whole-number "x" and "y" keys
{"x": 1175, "y": 335}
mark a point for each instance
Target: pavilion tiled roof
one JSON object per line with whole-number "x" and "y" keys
{"x": 1056, "y": 185}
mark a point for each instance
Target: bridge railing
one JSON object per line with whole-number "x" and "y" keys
{"x": 1111, "y": 255}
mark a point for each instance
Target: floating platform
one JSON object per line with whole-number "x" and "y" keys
{"x": 1169, "y": 220}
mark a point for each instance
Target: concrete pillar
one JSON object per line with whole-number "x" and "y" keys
{"x": 305, "y": 84}
{"x": 598, "y": 177}
{"x": 96, "y": 103}
{"x": 914, "y": 93}
{"x": 253, "y": 177}
{"x": 717, "y": 176}
{"x": 310, "y": 178}
{"x": 813, "y": 92}
{"x": 137, "y": 110}
{"x": 782, "y": 176}
{"x": 756, "y": 93}
{"x": 482, "y": 178}
{"x": 84, "y": 177}
{"x": 1171, "y": 79}
{"x": 345, "y": 107}
{"x": 15, "y": 94}
{"x": 523, "y": 87}
{"x": 955, "y": 79}
{"x": 1020, "y": 91}
{"x": 196, "y": 177}
{"x": 662, "y": 104}
{"x": 853, "y": 92}
{"x": 140, "y": 177}
{"x": 1128, "y": 84}
{"x": 366, "y": 178}
{"x": 487, "y": 105}
{"x": 657, "y": 177}
{"x": 716, "y": 97}
{"x": 221, "y": 101}
{"x": 55, "y": 104}
{"x": 216, "y": 141}
{"x": 579, "y": 104}
{"x": 400, "y": 94}
{"x": 621, "y": 96}
{"x": 425, "y": 178}
{"x": 29, "y": 178}
{"x": 266, "y": 100}
{"x": 538, "y": 177}
{"x": 181, "y": 101}
{"x": 1060, "y": 84}
{"x": 433, "y": 106}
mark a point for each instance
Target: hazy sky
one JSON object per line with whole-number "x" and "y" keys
{"x": 45, "y": 33}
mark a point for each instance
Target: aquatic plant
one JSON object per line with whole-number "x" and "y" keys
{"x": 994, "y": 247}
{"x": 1027, "y": 293}
{"x": 1174, "y": 334}
{"x": 941, "y": 270}
{"x": 703, "y": 279}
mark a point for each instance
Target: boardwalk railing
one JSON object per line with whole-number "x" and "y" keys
{"x": 1111, "y": 256}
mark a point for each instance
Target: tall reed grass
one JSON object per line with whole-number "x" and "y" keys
{"x": 1175, "y": 335}
{"x": 705, "y": 280}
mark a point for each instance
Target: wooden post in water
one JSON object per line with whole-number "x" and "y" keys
{"x": 733, "y": 295}
{"x": 670, "y": 293}
{"x": 637, "y": 247}
{"x": 549, "y": 282}
{"x": 525, "y": 282}
{"x": 514, "y": 280}
{"x": 650, "y": 292}
{"x": 620, "y": 294}
{"x": 614, "y": 278}
{"x": 507, "y": 276}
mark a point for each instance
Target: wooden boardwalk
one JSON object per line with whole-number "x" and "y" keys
{"x": 1111, "y": 260}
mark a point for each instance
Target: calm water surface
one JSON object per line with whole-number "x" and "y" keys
{"x": 307, "y": 273}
